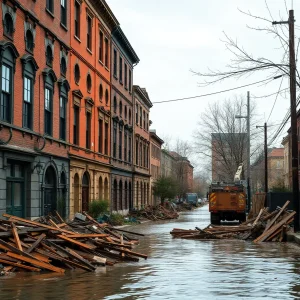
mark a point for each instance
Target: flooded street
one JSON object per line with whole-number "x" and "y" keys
{"x": 176, "y": 269}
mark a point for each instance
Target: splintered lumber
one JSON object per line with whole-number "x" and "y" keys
{"x": 35, "y": 262}
{"x": 82, "y": 245}
{"x": 18, "y": 265}
{"x": 48, "y": 243}
{"x": 271, "y": 230}
{"x": 16, "y": 236}
{"x": 36, "y": 243}
{"x": 278, "y": 215}
{"x": 37, "y": 224}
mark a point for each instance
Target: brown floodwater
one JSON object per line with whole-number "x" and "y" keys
{"x": 175, "y": 269}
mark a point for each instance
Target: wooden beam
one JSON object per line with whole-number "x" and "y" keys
{"x": 87, "y": 235}
{"x": 90, "y": 247}
{"x": 36, "y": 243}
{"x": 269, "y": 225}
{"x": 16, "y": 236}
{"x": 270, "y": 231}
{"x": 35, "y": 262}
{"x": 18, "y": 265}
{"x": 37, "y": 224}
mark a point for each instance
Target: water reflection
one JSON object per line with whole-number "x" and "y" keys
{"x": 175, "y": 269}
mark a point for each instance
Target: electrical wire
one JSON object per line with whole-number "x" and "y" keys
{"x": 218, "y": 92}
{"x": 275, "y": 99}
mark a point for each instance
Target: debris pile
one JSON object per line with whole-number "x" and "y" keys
{"x": 155, "y": 213}
{"x": 264, "y": 227}
{"x": 53, "y": 245}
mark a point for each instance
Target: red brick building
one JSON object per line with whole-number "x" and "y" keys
{"x": 141, "y": 173}
{"x": 155, "y": 163}
{"x": 89, "y": 110}
{"x": 122, "y": 62}
{"x": 34, "y": 136}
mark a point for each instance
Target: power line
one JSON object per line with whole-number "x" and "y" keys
{"x": 219, "y": 92}
{"x": 275, "y": 99}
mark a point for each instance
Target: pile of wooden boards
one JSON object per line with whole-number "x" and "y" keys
{"x": 53, "y": 245}
{"x": 155, "y": 213}
{"x": 264, "y": 227}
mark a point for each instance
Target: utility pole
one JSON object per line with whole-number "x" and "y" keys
{"x": 295, "y": 180}
{"x": 266, "y": 160}
{"x": 248, "y": 148}
{"x": 266, "y": 163}
{"x": 248, "y": 151}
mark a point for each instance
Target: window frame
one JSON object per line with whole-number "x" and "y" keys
{"x": 120, "y": 69}
{"x": 50, "y": 6}
{"x": 7, "y": 107}
{"x": 89, "y": 32}
{"x": 77, "y": 15}
{"x": 27, "y": 119}
{"x": 100, "y": 135}
{"x": 88, "y": 125}
{"x": 63, "y": 13}
{"x": 76, "y": 121}
{"x": 115, "y": 64}
{"x": 106, "y": 54}
{"x": 101, "y": 46}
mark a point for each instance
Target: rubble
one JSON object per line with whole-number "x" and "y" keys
{"x": 50, "y": 244}
{"x": 155, "y": 213}
{"x": 261, "y": 228}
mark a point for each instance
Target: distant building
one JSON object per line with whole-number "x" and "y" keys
{"x": 287, "y": 162}
{"x": 228, "y": 151}
{"x": 155, "y": 162}
{"x": 167, "y": 164}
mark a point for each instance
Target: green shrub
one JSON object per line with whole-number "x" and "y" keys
{"x": 116, "y": 219}
{"x": 98, "y": 207}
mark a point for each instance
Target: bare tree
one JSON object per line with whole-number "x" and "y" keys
{"x": 222, "y": 139}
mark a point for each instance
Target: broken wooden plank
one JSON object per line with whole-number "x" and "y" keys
{"x": 36, "y": 243}
{"x": 274, "y": 228}
{"x": 90, "y": 247}
{"x": 36, "y": 262}
{"x": 18, "y": 265}
{"x": 269, "y": 225}
{"x": 16, "y": 236}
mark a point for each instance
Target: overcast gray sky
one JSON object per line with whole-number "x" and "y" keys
{"x": 171, "y": 37}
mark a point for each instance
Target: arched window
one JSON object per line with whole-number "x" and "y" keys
{"x": 62, "y": 201}
{"x": 130, "y": 196}
{"x": 106, "y": 189}
{"x": 100, "y": 196}
{"x": 29, "y": 40}
{"x": 85, "y": 191}
{"x": 106, "y": 96}
{"x": 76, "y": 192}
{"x": 129, "y": 116}
{"x": 137, "y": 195}
{"x": 8, "y": 25}
{"x": 126, "y": 206}
{"x": 120, "y": 195}
{"x": 50, "y": 78}
{"x": 8, "y": 57}
{"x": 63, "y": 66}
{"x": 115, "y": 196}
{"x": 64, "y": 88}
{"x": 115, "y": 104}
{"x": 120, "y": 108}
{"x": 100, "y": 92}
{"x": 77, "y": 73}
{"x": 50, "y": 191}
{"x": 125, "y": 112}
{"x": 29, "y": 69}
{"x": 49, "y": 56}
{"x": 89, "y": 82}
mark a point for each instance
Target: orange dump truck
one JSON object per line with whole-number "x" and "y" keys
{"x": 227, "y": 202}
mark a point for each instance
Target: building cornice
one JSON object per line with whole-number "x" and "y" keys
{"x": 144, "y": 97}
{"x": 119, "y": 35}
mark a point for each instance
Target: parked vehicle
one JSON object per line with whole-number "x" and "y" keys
{"x": 192, "y": 198}
{"x": 200, "y": 201}
{"x": 227, "y": 201}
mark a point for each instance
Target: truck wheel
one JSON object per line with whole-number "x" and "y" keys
{"x": 214, "y": 219}
{"x": 242, "y": 217}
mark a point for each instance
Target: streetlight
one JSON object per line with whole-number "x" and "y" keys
{"x": 248, "y": 148}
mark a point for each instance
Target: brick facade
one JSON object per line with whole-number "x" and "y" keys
{"x": 34, "y": 163}
{"x": 141, "y": 176}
